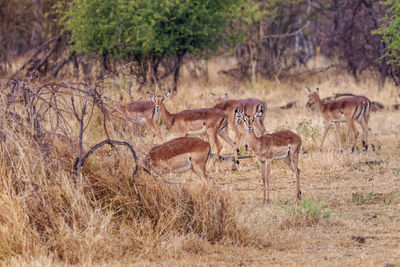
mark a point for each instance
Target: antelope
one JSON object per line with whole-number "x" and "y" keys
{"x": 349, "y": 109}
{"x": 249, "y": 105}
{"x": 140, "y": 111}
{"x": 179, "y": 155}
{"x": 284, "y": 145}
{"x": 210, "y": 121}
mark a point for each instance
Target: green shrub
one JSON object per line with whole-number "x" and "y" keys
{"x": 306, "y": 211}
{"x": 149, "y": 30}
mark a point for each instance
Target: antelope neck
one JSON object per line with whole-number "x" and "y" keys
{"x": 252, "y": 139}
{"x": 319, "y": 103}
{"x": 167, "y": 117}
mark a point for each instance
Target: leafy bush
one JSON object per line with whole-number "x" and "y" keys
{"x": 390, "y": 31}
{"x": 150, "y": 33}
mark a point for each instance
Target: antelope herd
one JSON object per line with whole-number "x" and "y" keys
{"x": 192, "y": 153}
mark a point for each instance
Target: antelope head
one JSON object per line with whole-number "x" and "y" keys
{"x": 157, "y": 100}
{"x": 312, "y": 97}
{"x": 247, "y": 119}
{"x": 218, "y": 99}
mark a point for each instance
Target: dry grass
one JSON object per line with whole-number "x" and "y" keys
{"x": 46, "y": 220}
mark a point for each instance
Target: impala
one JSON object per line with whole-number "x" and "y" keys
{"x": 284, "y": 145}
{"x": 140, "y": 111}
{"x": 249, "y": 105}
{"x": 349, "y": 110}
{"x": 179, "y": 155}
{"x": 210, "y": 121}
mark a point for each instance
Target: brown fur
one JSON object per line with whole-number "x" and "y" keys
{"x": 210, "y": 121}
{"x": 139, "y": 106}
{"x": 347, "y": 110}
{"x": 249, "y": 105}
{"x": 284, "y": 145}
{"x": 179, "y": 153}
{"x": 142, "y": 111}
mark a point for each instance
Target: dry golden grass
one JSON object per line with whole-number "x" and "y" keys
{"x": 350, "y": 215}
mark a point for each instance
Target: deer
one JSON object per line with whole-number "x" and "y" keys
{"x": 210, "y": 121}
{"x": 284, "y": 145}
{"x": 249, "y": 105}
{"x": 179, "y": 155}
{"x": 348, "y": 110}
{"x": 139, "y": 111}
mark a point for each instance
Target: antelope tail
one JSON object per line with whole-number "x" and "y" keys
{"x": 367, "y": 110}
{"x": 223, "y": 124}
{"x": 362, "y": 110}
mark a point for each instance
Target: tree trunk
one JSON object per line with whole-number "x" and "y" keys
{"x": 176, "y": 73}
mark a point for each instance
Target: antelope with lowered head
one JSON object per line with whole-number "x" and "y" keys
{"x": 249, "y": 105}
{"x": 210, "y": 121}
{"x": 140, "y": 111}
{"x": 349, "y": 110}
{"x": 179, "y": 155}
{"x": 284, "y": 145}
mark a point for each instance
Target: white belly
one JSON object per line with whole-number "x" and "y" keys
{"x": 197, "y": 132}
{"x": 142, "y": 120}
{"x": 184, "y": 168}
{"x": 340, "y": 119}
{"x": 283, "y": 155}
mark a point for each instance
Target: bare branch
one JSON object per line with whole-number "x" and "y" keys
{"x": 80, "y": 161}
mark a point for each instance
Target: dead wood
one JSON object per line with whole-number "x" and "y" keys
{"x": 291, "y": 104}
{"x": 80, "y": 161}
{"x": 36, "y": 52}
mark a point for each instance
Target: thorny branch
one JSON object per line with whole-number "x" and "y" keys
{"x": 58, "y": 106}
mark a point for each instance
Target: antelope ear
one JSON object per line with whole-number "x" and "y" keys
{"x": 166, "y": 94}
{"x": 259, "y": 110}
{"x": 239, "y": 113}
{"x": 317, "y": 90}
{"x": 255, "y": 116}
{"x": 216, "y": 97}
{"x": 152, "y": 96}
{"x": 225, "y": 96}
{"x": 308, "y": 90}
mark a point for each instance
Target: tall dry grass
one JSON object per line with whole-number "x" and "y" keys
{"x": 104, "y": 218}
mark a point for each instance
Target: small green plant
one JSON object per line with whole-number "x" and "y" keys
{"x": 358, "y": 198}
{"x": 370, "y": 165}
{"x": 392, "y": 196}
{"x": 313, "y": 208}
{"x": 367, "y": 198}
{"x": 309, "y": 208}
{"x": 395, "y": 171}
{"x": 305, "y": 128}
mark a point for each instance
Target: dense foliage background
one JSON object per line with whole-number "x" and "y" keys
{"x": 269, "y": 38}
